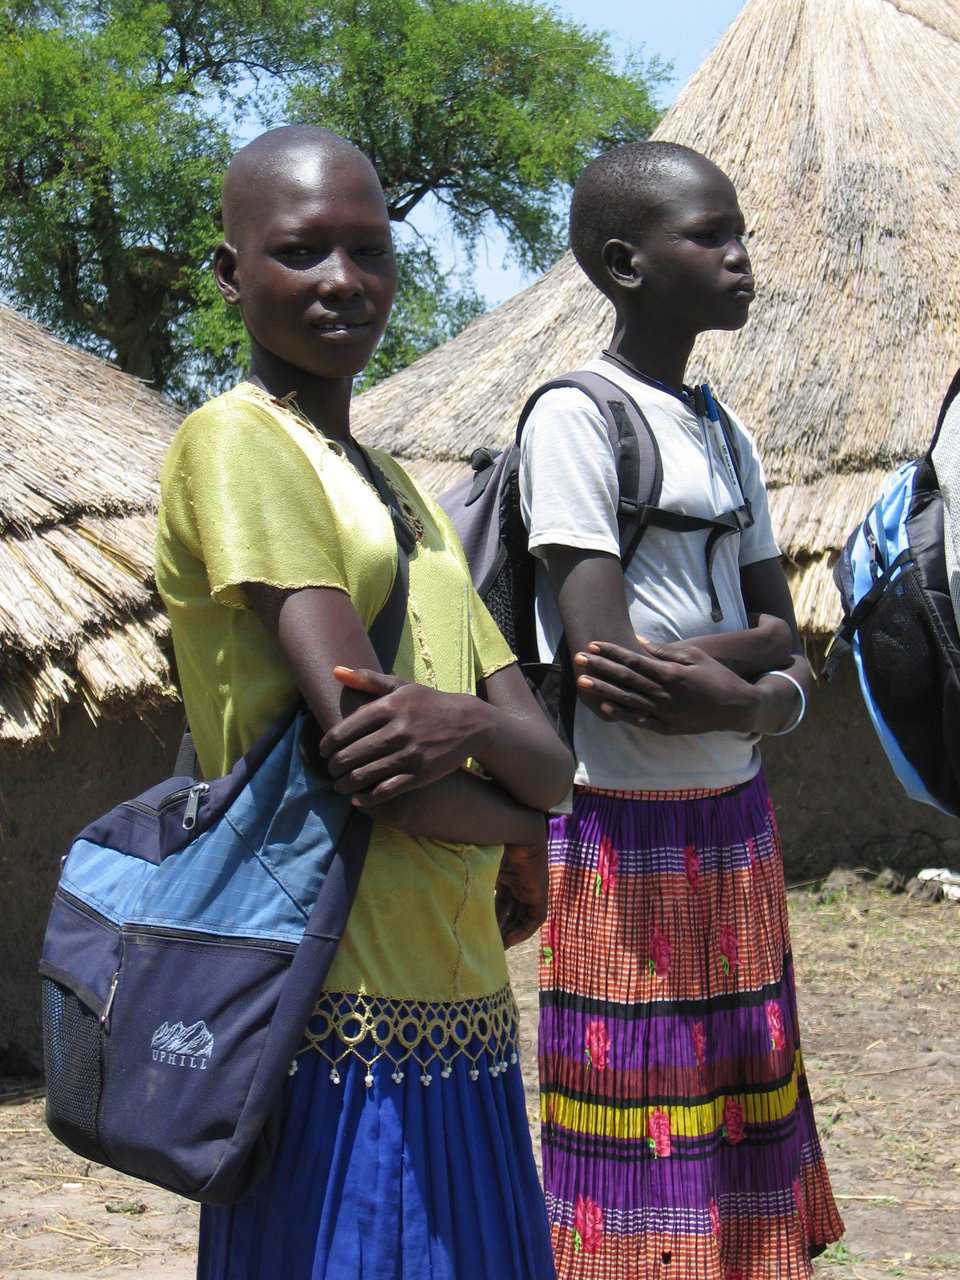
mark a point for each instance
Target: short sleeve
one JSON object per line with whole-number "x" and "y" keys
{"x": 247, "y": 501}
{"x": 569, "y": 491}
{"x": 756, "y": 543}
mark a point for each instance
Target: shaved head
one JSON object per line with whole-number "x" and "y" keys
{"x": 618, "y": 193}
{"x": 292, "y": 157}
{"x": 308, "y": 255}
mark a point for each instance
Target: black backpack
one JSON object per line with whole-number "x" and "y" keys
{"x": 485, "y": 510}
{"x": 899, "y": 624}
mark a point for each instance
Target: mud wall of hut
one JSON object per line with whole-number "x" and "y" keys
{"x": 46, "y": 795}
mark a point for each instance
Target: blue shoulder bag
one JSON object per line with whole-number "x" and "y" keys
{"x": 190, "y": 935}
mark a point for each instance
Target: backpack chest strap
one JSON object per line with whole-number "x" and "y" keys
{"x": 640, "y": 472}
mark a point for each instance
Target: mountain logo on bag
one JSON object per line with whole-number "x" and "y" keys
{"x": 180, "y": 1046}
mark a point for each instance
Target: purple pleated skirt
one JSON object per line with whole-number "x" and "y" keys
{"x": 679, "y": 1140}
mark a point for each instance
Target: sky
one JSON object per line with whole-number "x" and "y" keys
{"x": 683, "y": 32}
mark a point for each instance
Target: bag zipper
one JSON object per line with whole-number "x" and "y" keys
{"x": 192, "y": 796}
{"x": 134, "y": 931}
{"x": 193, "y": 804}
{"x": 181, "y": 935}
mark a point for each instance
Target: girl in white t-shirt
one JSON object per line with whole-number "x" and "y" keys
{"x": 678, "y": 1134}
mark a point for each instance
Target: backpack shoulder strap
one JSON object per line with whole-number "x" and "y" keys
{"x": 730, "y": 436}
{"x": 635, "y": 449}
{"x": 745, "y": 512}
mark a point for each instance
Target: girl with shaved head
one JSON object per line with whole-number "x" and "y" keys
{"x": 405, "y": 1152}
{"x": 679, "y": 1140}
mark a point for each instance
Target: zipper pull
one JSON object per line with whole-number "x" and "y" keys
{"x": 193, "y": 804}
{"x": 105, "y": 1016}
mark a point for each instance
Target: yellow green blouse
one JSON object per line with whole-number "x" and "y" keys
{"x": 252, "y": 493}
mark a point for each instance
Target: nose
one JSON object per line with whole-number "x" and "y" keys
{"x": 736, "y": 257}
{"x": 339, "y": 276}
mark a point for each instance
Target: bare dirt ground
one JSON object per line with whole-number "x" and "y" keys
{"x": 879, "y": 985}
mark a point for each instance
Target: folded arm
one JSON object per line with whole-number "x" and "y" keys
{"x": 764, "y": 645}
{"x": 678, "y": 688}
{"x": 410, "y": 736}
{"x": 323, "y": 640}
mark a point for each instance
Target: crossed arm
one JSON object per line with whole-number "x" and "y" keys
{"x": 398, "y": 748}
{"x": 696, "y": 686}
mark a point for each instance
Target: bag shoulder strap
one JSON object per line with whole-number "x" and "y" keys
{"x": 186, "y": 764}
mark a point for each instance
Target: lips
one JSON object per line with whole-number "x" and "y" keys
{"x": 339, "y": 326}
{"x": 744, "y": 288}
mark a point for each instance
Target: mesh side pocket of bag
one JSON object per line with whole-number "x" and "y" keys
{"x": 500, "y": 601}
{"x": 72, "y": 1052}
{"x": 903, "y": 655}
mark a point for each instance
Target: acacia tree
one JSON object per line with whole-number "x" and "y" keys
{"x": 117, "y": 118}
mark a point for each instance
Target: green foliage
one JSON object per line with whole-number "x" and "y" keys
{"x": 109, "y": 176}
{"x": 491, "y": 106}
{"x": 428, "y": 310}
{"x": 117, "y": 118}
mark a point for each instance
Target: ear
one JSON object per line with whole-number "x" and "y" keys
{"x": 623, "y": 263}
{"x": 225, "y": 272}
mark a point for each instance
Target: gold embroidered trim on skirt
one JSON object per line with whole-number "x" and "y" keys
{"x": 371, "y": 1028}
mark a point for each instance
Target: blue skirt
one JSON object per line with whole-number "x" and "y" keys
{"x": 380, "y": 1177}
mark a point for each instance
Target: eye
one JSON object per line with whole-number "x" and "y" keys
{"x": 371, "y": 251}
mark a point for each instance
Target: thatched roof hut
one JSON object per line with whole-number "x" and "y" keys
{"x": 83, "y": 666}
{"x": 839, "y": 121}
{"x": 80, "y": 445}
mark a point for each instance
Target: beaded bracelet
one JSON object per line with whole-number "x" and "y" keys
{"x": 779, "y": 733}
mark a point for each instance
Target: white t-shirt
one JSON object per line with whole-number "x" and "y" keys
{"x": 569, "y": 495}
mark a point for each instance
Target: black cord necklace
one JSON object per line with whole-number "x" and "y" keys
{"x": 685, "y": 394}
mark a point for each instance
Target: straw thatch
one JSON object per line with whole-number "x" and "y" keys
{"x": 80, "y": 448}
{"x": 839, "y": 121}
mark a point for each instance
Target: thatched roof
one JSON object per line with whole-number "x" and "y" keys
{"x": 839, "y": 121}
{"x": 80, "y": 447}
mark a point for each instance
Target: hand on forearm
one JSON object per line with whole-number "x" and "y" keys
{"x": 669, "y": 689}
{"x": 680, "y": 689}
{"x": 763, "y": 646}
{"x": 462, "y": 809}
{"x": 410, "y": 736}
{"x": 404, "y": 738}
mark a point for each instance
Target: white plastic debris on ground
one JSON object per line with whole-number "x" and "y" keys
{"x": 949, "y": 881}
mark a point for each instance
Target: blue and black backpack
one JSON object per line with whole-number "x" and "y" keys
{"x": 899, "y": 624}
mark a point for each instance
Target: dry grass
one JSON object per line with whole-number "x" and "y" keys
{"x": 878, "y": 979}
{"x": 838, "y": 122}
{"x": 80, "y": 450}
